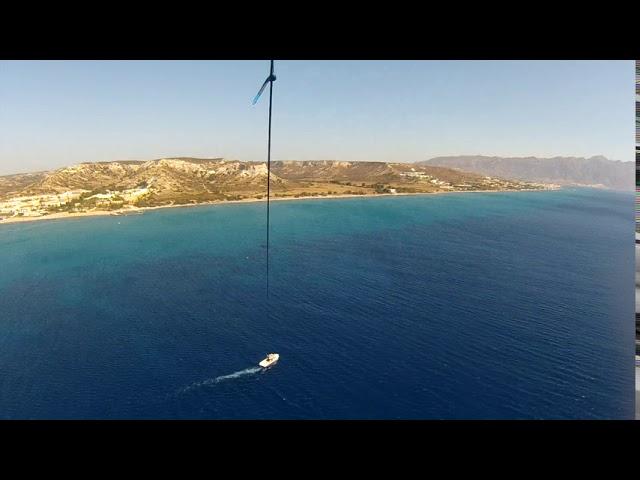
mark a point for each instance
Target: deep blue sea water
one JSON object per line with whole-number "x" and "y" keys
{"x": 465, "y": 306}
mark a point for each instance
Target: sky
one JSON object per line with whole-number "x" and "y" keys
{"x": 57, "y": 113}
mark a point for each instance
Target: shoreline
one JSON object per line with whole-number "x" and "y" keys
{"x": 141, "y": 210}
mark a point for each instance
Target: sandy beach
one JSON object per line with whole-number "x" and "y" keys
{"x": 138, "y": 210}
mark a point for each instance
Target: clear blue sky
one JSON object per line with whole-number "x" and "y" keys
{"x": 55, "y": 113}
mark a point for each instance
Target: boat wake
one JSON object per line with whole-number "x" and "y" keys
{"x": 241, "y": 373}
{"x": 222, "y": 378}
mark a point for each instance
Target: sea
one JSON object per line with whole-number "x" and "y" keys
{"x": 509, "y": 305}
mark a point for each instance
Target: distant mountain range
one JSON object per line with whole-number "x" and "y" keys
{"x": 593, "y": 171}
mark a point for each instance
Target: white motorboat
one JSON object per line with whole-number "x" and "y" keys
{"x": 270, "y": 360}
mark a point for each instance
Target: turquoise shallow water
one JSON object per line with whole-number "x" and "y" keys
{"x": 502, "y": 305}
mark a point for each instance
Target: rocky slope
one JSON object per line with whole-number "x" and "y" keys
{"x": 14, "y": 184}
{"x": 192, "y": 180}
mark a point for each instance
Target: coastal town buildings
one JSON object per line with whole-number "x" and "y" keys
{"x": 36, "y": 205}
{"x": 40, "y": 205}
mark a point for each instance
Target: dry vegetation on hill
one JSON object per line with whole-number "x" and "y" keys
{"x": 176, "y": 181}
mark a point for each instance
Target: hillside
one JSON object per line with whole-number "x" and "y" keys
{"x": 14, "y": 184}
{"x": 593, "y": 171}
{"x": 176, "y": 181}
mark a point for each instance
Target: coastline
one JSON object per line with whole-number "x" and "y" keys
{"x": 141, "y": 210}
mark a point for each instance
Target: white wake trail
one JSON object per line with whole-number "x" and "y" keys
{"x": 212, "y": 381}
{"x": 241, "y": 373}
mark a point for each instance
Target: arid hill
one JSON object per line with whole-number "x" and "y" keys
{"x": 14, "y": 184}
{"x": 113, "y": 186}
{"x": 171, "y": 177}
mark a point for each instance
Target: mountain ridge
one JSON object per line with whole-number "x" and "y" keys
{"x": 593, "y": 171}
{"x": 185, "y": 180}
